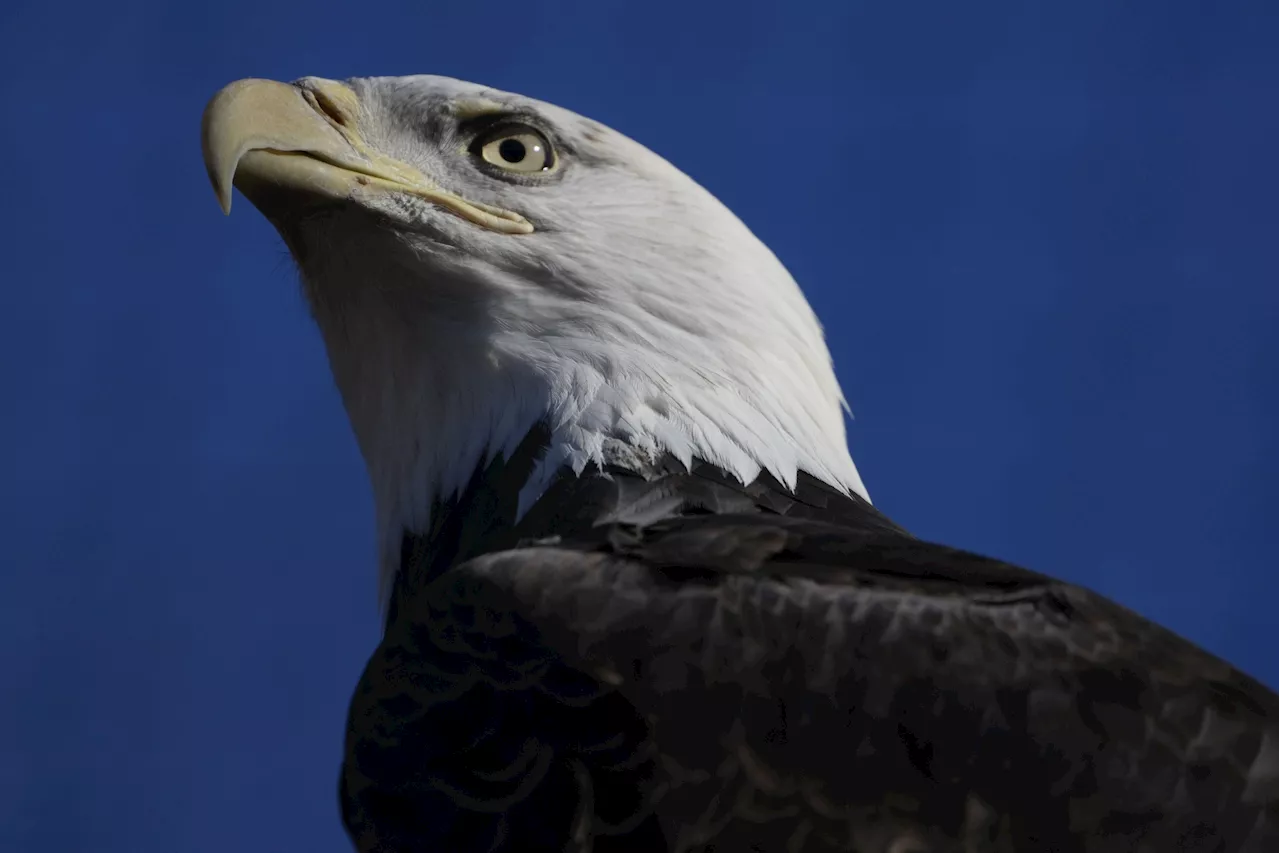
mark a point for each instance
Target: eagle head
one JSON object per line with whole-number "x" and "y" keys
{"x": 479, "y": 263}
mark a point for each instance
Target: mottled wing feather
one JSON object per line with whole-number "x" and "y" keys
{"x": 466, "y": 733}
{"x": 913, "y": 672}
{"x": 778, "y": 683}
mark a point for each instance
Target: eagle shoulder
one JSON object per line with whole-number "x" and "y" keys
{"x": 798, "y": 684}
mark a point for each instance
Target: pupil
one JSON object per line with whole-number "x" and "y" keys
{"x": 511, "y": 150}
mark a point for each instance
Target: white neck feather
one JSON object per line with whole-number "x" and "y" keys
{"x": 706, "y": 349}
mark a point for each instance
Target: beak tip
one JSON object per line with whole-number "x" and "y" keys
{"x": 221, "y": 191}
{"x": 216, "y": 170}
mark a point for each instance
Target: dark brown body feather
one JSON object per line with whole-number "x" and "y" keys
{"x": 680, "y": 663}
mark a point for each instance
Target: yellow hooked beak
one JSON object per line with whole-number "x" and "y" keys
{"x": 264, "y": 136}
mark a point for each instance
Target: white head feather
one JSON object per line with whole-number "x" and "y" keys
{"x": 639, "y": 317}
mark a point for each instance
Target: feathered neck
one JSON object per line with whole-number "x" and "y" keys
{"x": 447, "y": 365}
{"x": 580, "y": 509}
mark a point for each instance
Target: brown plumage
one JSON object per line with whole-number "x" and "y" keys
{"x": 683, "y": 663}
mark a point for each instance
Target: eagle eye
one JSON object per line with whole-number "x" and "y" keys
{"x": 515, "y": 148}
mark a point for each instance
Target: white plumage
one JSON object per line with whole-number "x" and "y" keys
{"x": 663, "y": 326}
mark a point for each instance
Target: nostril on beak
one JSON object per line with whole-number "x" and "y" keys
{"x": 330, "y": 108}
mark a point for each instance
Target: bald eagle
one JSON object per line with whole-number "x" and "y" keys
{"x": 636, "y": 595}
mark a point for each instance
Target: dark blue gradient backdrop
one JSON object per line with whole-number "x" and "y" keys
{"x": 1040, "y": 237}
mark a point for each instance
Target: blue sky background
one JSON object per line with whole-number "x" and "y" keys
{"x": 1040, "y": 237}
